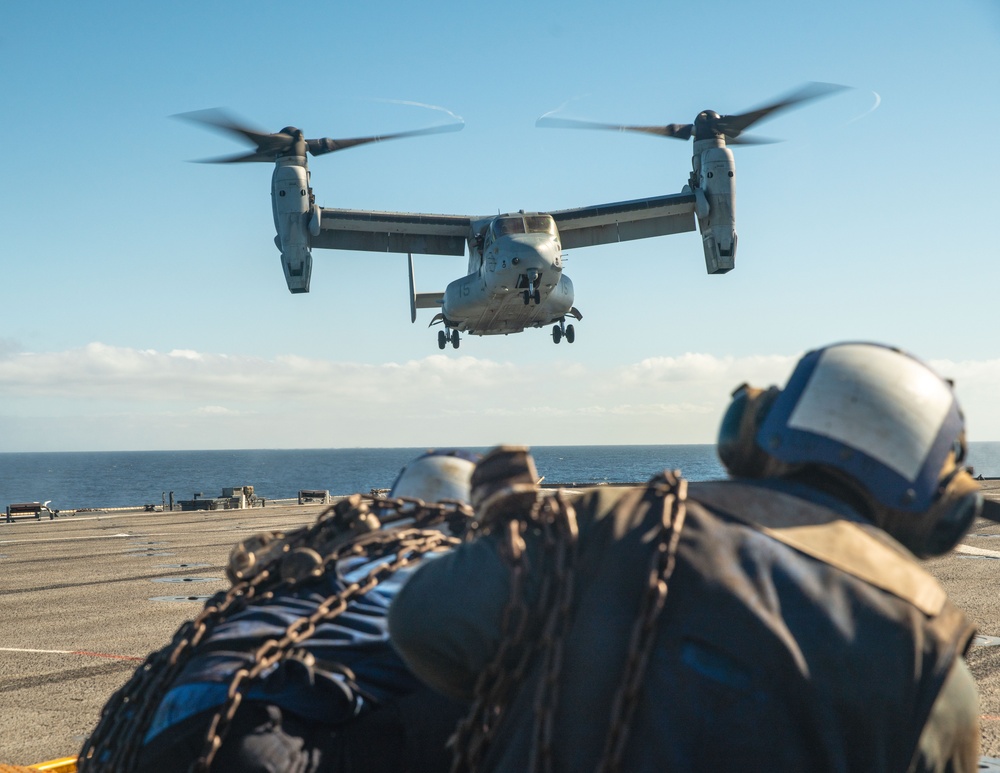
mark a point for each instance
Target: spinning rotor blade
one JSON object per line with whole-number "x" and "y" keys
{"x": 290, "y": 141}
{"x": 319, "y": 147}
{"x": 238, "y": 158}
{"x": 678, "y": 130}
{"x": 708, "y": 124}
{"x": 733, "y": 125}
{"x": 268, "y": 145}
{"x": 750, "y": 141}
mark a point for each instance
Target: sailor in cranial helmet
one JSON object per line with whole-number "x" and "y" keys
{"x": 341, "y": 699}
{"x": 872, "y": 425}
{"x": 439, "y": 475}
{"x": 777, "y": 620}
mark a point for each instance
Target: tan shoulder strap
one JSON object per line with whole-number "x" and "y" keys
{"x": 823, "y": 534}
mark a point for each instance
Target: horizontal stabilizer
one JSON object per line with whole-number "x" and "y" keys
{"x": 429, "y": 300}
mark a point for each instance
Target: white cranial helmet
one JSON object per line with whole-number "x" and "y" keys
{"x": 436, "y": 476}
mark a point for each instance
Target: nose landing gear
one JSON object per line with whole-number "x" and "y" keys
{"x": 449, "y": 335}
{"x": 561, "y": 330}
{"x": 532, "y": 293}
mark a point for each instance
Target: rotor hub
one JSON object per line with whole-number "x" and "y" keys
{"x": 706, "y": 125}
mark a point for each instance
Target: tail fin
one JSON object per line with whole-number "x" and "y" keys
{"x": 421, "y": 300}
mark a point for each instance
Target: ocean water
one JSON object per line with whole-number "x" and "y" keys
{"x": 123, "y": 479}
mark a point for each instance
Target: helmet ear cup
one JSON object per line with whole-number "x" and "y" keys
{"x": 952, "y": 514}
{"x": 938, "y": 529}
{"x": 737, "y": 444}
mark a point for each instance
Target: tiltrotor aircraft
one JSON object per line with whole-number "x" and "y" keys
{"x": 515, "y": 276}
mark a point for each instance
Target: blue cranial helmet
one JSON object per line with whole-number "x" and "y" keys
{"x": 875, "y": 413}
{"x": 876, "y": 418}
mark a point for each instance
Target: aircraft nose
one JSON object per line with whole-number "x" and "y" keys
{"x": 533, "y": 257}
{"x": 528, "y": 260}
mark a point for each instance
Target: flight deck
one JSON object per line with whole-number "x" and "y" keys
{"x": 87, "y": 597}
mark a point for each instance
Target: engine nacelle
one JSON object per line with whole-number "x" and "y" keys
{"x": 716, "y": 204}
{"x": 290, "y": 203}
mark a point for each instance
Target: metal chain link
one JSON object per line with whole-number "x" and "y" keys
{"x": 408, "y": 550}
{"x": 346, "y": 529}
{"x": 671, "y": 491}
{"x": 551, "y": 516}
{"x": 561, "y": 542}
{"x": 474, "y": 733}
{"x": 538, "y": 632}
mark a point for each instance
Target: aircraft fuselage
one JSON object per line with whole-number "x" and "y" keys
{"x": 515, "y": 278}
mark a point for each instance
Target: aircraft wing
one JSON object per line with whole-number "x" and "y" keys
{"x": 625, "y": 220}
{"x": 356, "y": 229}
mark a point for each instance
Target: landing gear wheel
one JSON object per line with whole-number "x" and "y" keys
{"x": 454, "y": 339}
{"x": 557, "y": 334}
{"x": 527, "y": 297}
{"x": 538, "y": 297}
{"x": 570, "y": 334}
{"x": 442, "y": 339}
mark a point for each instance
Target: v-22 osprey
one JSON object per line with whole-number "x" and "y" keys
{"x": 515, "y": 278}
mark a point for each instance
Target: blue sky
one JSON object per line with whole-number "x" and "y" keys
{"x": 143, "y": 301}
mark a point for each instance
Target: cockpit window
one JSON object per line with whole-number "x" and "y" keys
{"x": 503, "y": 226}
{"x": 540, "y": 224}
{"x": 519, "y": 224}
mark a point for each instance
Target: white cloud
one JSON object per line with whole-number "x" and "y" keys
{"x": 706, "y": 368}
{"x": 977, "y": 384}
{"x": 183, "y": 354}
{"x": 217, "y": 410}
{"x": 105, "y": 397}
